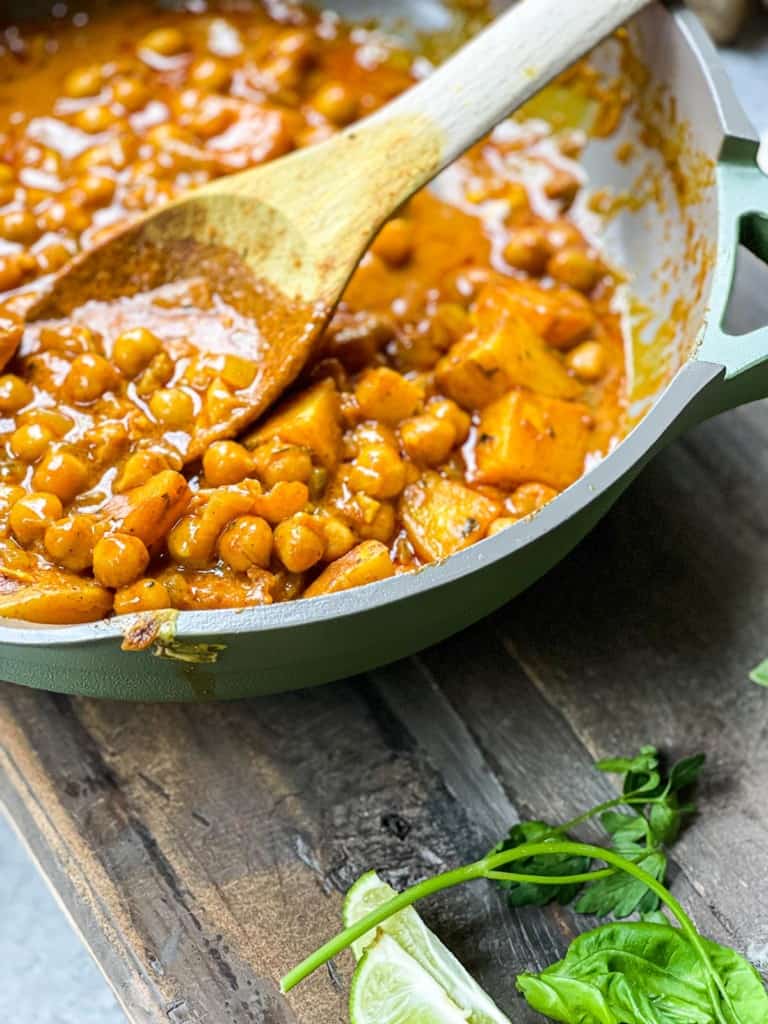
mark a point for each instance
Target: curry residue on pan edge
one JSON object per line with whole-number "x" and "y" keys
{"x": 472, "y": 372}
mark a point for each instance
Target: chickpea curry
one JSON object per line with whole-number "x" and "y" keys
{"x": 473, "y": 371}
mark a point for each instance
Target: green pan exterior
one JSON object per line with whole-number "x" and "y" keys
{"x": 225, "y": 655}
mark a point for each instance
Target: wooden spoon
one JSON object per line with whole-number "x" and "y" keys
{"x": 299, "y": 225}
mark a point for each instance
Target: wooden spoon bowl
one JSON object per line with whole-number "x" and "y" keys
{"x": 280, "y": 242}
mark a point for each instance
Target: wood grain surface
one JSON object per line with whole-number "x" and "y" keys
{"x": 203, "y": 849}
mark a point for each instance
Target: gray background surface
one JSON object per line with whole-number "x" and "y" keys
{"x": 46, "y": 975}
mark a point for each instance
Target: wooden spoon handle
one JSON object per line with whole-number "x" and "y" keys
{"x": 503, "y": 67}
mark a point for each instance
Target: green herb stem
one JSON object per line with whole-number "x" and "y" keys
{"x": 486, "y": 868}
{"x": 628, "y": 800}
{"x": 446, "y": 880}
{"x": 588, "y": 876}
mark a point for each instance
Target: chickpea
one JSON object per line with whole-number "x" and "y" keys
{"x": 450, "y": 321}
{"x": 70, "y": 340}
{"x": 517, "y": 204}
{"x": 9, "y": 495}
{"x": 172, "y": 406}
{"x": 131, "y": 93}
{"x": 159, "y": 372}
{"x": 290, "y": 463}
{"x": 211, "y": 117}
{"x": 297, "y": 44}
{"x": 83, "y": 82}
{"x": 52, "y": 257}
{"x": 29, "y": 442}
{"x": 587, "y": 360}
{"x": 95, "y": 189}
{"x": 58, "y": 423}
{"x": 93, "y": 119}
{"x": 527, "y": 250}
{"x": 167, "y": 42}
{"x": 394, "y": 243}
{"x": 65, "y": 215}
{"x": 211, "y": 74}
{"x": 246, "y": 542}
{"x": 226, "y": 462}
{"x": 447, "y": 409}
{"x": 531, "y": 497}
{"x": 170, "y": 135}
{"x": 145, "y": 595}
{"x": 502, "y": 523}
{"x": 336, "y": 102}
{"x": 107, "y": 442}
{"x": 14, "y": 393}
{"x": 7, "y": 193}
{"x": 283, "y": 500}
{"x": 19, "y": 226}
{"x": 69, "y": 542}
{"x": 575, "y": 267}
{"x": 61, "y": 473}
{"x": 427, "y": 438}
{"x": 563, "y": 186}
{"x": 119, "y": 559}
{"x": 138, "y": 468}
{"x": 90, "y": 375}
{"x": 6, "y": 174}
{"x": 385, "y": 395}
{"x": 382, "y": 524}
{"x": 31, "y": 515}
{"x": 562, "y": 234}
{"x": 189, "y": 543}
{"x": 297, "y": 545}
{"x": 134, "y": 349}
{"x": 12, "y": 271}
{"x": 339, "y": 538}
{"x": 283, "y": 76}
{"x": 378, "y": 471}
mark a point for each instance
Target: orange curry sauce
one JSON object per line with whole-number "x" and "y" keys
{"x": 474, "y": 368}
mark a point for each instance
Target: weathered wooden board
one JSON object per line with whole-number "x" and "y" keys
{"x": 202, "y": 850}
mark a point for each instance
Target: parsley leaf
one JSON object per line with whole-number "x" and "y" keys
{"x": 622, "y": 895}
{"x": 522, "y": 894}
{"x": 759, "y": 673}
{"x": 650, "y": 819}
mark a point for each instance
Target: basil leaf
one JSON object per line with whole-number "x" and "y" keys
{"x": 644, "y": 973}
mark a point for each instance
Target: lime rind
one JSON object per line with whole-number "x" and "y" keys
{"x": 408, "y": 931}
{"x": 390, "y": 987}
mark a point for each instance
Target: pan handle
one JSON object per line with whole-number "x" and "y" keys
{"x": 743, "y": 196}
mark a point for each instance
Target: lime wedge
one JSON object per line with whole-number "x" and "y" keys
{"x": 389, "y": 987}
{"x": 410, "y": 933}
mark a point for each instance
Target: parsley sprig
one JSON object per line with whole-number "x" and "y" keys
{"x": 653, "y": 812}
{"x": 638, "y": 972}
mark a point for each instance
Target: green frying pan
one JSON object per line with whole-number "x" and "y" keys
{"x": 682, "y": 258}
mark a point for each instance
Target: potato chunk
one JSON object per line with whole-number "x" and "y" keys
{"x": 442, "y": 516}
{"x": 562, "y": 316}
{"x": 312, "y": 419}
{"x": 366, "y": 563}
{"x": 149, "y": 511}
{"x": 524, "y": 437}
{"x": 502, "y": 351}
{"x": 51, "y": 597}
